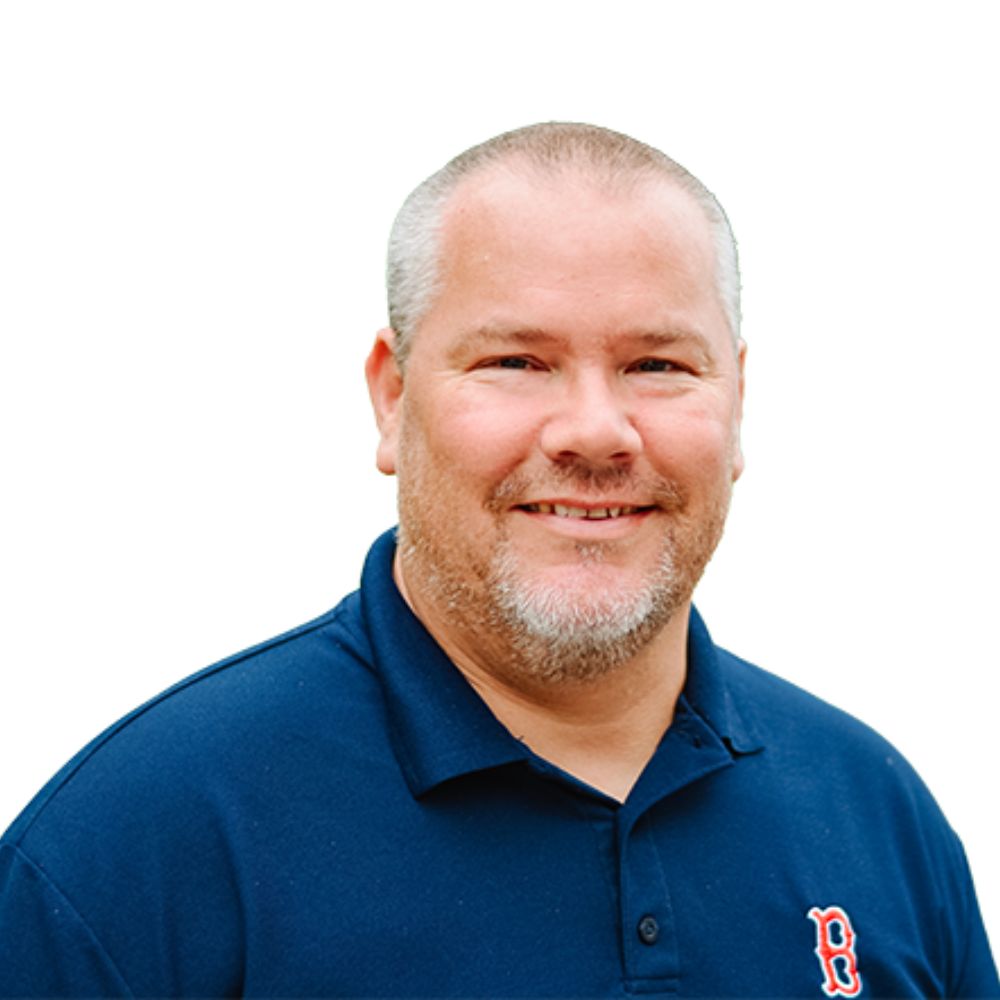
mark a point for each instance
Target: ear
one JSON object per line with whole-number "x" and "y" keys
{"x": 385, "y": 386}
{"x": 738, "y": 461}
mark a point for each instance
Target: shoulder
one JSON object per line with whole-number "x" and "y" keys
{"x": 178, "y": 811}
{"x": 274, "y": 694}
{"x": 836, "y": 773}
{"x": 793, "y": 717}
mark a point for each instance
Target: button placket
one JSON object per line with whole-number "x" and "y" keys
{"x": 649, "y": 947}
{"x": 690, "y": 751}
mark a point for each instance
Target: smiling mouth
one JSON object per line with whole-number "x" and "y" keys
{"x": 588, "y": 514}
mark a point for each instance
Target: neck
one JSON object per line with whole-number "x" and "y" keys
{"x": 602, "y": 730}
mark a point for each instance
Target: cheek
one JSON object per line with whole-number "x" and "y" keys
{"x": 692, "y": 447}
{"x": 480, "y": 440}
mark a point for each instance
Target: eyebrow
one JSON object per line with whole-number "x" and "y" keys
{"x": 490, "y": 335}
{"x": 659, "y": 339}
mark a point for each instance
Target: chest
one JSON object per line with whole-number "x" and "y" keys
{"x": 529, "y": 889}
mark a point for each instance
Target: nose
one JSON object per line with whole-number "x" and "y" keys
{"x": 590, "y": 421}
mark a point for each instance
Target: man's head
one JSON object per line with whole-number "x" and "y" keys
{"x": 566, "y": 433}
{"x": 617, "y": 160}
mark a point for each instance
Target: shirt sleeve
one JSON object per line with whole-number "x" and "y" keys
{"x": 978, "y": 973}
{"x": 46, "y": 948}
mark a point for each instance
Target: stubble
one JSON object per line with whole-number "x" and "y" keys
{"x": 524, "y": 629}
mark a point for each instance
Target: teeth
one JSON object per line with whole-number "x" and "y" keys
{"x": 594, "y": 514}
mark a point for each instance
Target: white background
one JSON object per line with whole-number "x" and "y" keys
{"x": 194, "y": 200}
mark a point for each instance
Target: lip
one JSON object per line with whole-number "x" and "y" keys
{"x": 585, "y": 509}
{"x": 563, "y": 516}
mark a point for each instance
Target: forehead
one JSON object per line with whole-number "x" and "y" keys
{"x": 566, "y": 237}
{"x": 507, "y": 199}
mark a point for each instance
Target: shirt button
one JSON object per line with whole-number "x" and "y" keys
{"x": 649, "y": 930}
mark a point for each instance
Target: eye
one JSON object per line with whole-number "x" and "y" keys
{"x": 513, "y": 362}
{"x": 655, "y": 365}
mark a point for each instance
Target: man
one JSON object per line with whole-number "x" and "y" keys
{"x": 514, "y": 763}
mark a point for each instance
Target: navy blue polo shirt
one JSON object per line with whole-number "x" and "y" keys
{"x": 337, "y": 813}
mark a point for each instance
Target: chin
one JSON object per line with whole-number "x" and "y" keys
{"x": 580, "y": 629}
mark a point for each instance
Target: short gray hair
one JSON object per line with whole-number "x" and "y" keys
{"x": 412, "y": 278}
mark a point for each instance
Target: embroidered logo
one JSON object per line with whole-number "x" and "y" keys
{"x": 835, "y": 950}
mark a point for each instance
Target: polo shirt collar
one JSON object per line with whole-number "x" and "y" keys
{"x": 442, "y": 729}
{"x": 439, "y": 726}
{"x": 709, "y": 690}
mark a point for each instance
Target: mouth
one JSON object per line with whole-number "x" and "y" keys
{"x": 609, "y": 512}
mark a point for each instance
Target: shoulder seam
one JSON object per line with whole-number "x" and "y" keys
{"x": 968, "y": 903}
{"x": 95, "y": 940}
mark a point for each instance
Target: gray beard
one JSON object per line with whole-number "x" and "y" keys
{"x": 539, "y": 633}
{"x": 555, "y": 638}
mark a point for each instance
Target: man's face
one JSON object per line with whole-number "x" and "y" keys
{"x": 566, "y": 432}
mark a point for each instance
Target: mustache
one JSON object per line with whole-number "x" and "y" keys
{"x": 586, "y": 479}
